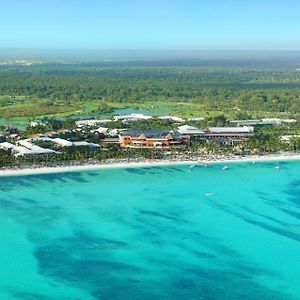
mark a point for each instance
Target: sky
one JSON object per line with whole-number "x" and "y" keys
{"x": 151, "y": 24}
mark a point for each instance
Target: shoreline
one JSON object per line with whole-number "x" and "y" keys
{"x": 146, "y": 163}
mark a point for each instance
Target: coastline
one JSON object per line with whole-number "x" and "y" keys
{"x": 144, "y": 163}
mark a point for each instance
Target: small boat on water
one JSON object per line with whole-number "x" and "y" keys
{"x": 277, "y": 167}
{"x": 204, "y": 164}
{"x": 192, "y": 167}
{"x": 209, "y": 194}
{"x": 225, "y": 168}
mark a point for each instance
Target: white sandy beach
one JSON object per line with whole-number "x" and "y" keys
{"x": 146, "y": 163}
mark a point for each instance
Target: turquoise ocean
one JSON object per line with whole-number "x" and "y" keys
{"x": 170, "y": 232}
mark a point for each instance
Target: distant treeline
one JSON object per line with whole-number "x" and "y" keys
{"x": 244, "y": 88}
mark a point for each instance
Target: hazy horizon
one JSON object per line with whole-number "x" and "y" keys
{"x": 159, "y": 57}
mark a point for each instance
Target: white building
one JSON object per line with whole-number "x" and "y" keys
{"x": 230, "y": 130}
{"x": 62, "y": 142}
{"x": 34, "y": 124}
{"x": 190, "y": 130}
{"x": 66, "y": 143}
{"x": 288, "y": 138}
{"x": 196, "y": 119}
{"x": 172, "y": 118}
{"x": 33, "y": 149}
{"x": 116, "y": 132}
{"x": 85, "y": 144}
{"x": 22, "y": 151}
{"x": 101, "y": 130}
{"x": 26, "y": 148}
{"x": 277, "y": 121}
{"x": 91, "y": 123}
{"x": 7, "y": 146}
{"x": 132, "y": 118}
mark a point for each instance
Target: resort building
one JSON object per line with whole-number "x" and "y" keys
{"x": 152, "y": 139}
{"x": 65, "y": 143}
{"x": 132, "y": 118}
{"x": 253, "y": 123}
{"x": 91, "y": 123}
{"x": 229, "y": 134}
{"x": 62, "y": 142}
{"x": 263, "y": 122}
{"x": 115, "y": 140}
{"x": 172, "y": 118}
{"x": 7, "y": 146}
{"x": 86, "y": 144}
{"x": 26, "y": 149}
{"x": 101, "y": 130}
{"x": 24, "y": 152}
{"x": 278, "y": 122}
{"x": 196, "y": 119}
{"x": 190, "y": 130}
{"x": 288, "y": 138}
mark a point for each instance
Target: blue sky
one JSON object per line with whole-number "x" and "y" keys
{"x": 151, "y": 24}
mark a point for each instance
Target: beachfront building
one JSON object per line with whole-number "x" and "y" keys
{"x": 5, "y": 146}
{"x": 62, "y": 142}
{"x": 88, "y": 145}
{"x": 26, "y": 149}
{"x": 193, "y": 132}
{"x": 229, "y": 135}
{"x": 152, "y": 139}
{"x": 65, "y": 143}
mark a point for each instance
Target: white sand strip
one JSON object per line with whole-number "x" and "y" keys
{"x": 60, "y": 169}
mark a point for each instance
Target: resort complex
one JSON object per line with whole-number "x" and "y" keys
{"x": 133, "y": 135}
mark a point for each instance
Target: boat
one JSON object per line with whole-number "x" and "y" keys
{"x": 192, "y": 167}
{"x": 225, "y": 168}
{"x": 209, "y": 194}
{"x": 277, "y": 167}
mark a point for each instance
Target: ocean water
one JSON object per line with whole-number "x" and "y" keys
{"x": 152, "y": 233}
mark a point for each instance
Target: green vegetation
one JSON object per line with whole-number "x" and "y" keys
{"x": 65, "y": 90}
{"x": 57, "y": 94}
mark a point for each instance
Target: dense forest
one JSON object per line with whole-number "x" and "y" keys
{"x": 46, "y": 89}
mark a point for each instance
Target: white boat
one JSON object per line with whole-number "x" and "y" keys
{"x": 277, "y": 166}
{"x": 192, "y": 167}
{"x": 209, "y": 194}
{"x": 225, "y": 168}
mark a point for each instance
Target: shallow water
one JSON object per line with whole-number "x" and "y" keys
{"x": 152, "y": 233}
